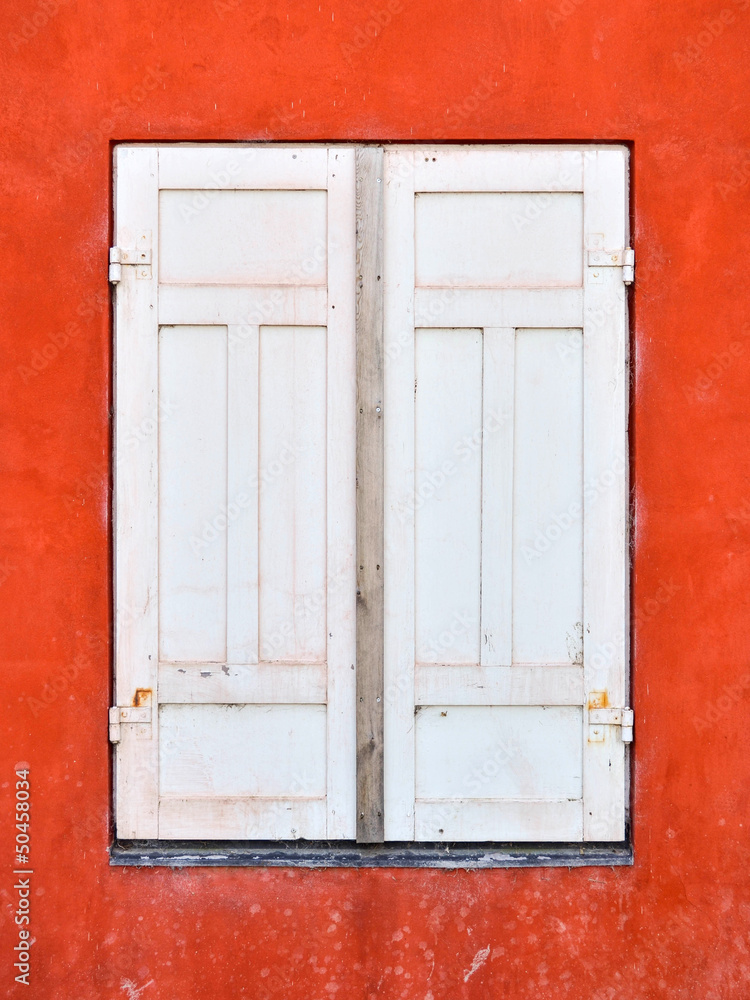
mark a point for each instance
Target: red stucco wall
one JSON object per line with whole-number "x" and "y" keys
{"x": 672, "y": 78}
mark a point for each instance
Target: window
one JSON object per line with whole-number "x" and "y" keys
{"x": 413, "y": 355}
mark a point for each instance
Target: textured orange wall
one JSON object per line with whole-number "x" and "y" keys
{"x": 672, "y": 78}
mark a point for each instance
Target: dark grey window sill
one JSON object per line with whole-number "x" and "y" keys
{"x": 304, "y": 854}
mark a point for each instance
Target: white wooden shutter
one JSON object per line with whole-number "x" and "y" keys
{"x": 234, "y": 442}
{"x": 506, "y": 388}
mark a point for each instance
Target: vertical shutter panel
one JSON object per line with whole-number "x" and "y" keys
{"x": 136, "y": 495}
{"x": 506, "y": 392}
{"x": 606, "y": 645}
{"x": 246, "y": 606}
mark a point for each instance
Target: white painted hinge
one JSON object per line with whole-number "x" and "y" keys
{"x": 137, "y": 715}
{"x": 614, "y": 258}
{"x": 601, "y": 717}
{"x": 138, "y": 256}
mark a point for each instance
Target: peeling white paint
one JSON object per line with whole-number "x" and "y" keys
{"x": 479, "y": 959}
{"x": 132, "y": 990}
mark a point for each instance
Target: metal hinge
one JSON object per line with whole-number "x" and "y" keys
{"x": 138, "y": 256}
{"x": 614, "y": 258}
{"x": 137, "y": 715}
{"x": 601, "y": 717}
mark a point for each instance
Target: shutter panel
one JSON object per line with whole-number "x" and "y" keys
{"x": 505, "y": 483}
{"x": 506, "y": 487}
{"x": 235, "y": 577}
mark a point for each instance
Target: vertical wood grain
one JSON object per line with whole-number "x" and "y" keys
{"x": 370, "y": 547}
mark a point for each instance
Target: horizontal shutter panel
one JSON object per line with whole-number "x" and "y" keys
{"x": 248, "y": 478}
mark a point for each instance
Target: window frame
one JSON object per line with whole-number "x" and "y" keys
{"x": 349, "y": 853}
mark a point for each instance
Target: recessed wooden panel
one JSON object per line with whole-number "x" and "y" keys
{"x": 548, "y": 497}
{"x": 447, "y": 496}
{"x": 503, "y": 752}
{"x": 503, "y": 820}
{"x": 242, "y": 818}
{"x": 209, "y": 169}
{"x": 498, "y": 168}
{"x": 244, "y": 237}
{"x": 291, "y": 481}
{"x": 192, "y": 493}
{"x": 495, "y": 239}
{"x": 246, "y": 750}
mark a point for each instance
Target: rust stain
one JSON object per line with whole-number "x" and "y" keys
{"x": 142, "y": 697}
{"x": 599, "y": 699}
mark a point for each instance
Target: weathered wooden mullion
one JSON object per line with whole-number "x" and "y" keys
{"x": 370, "y": 506}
